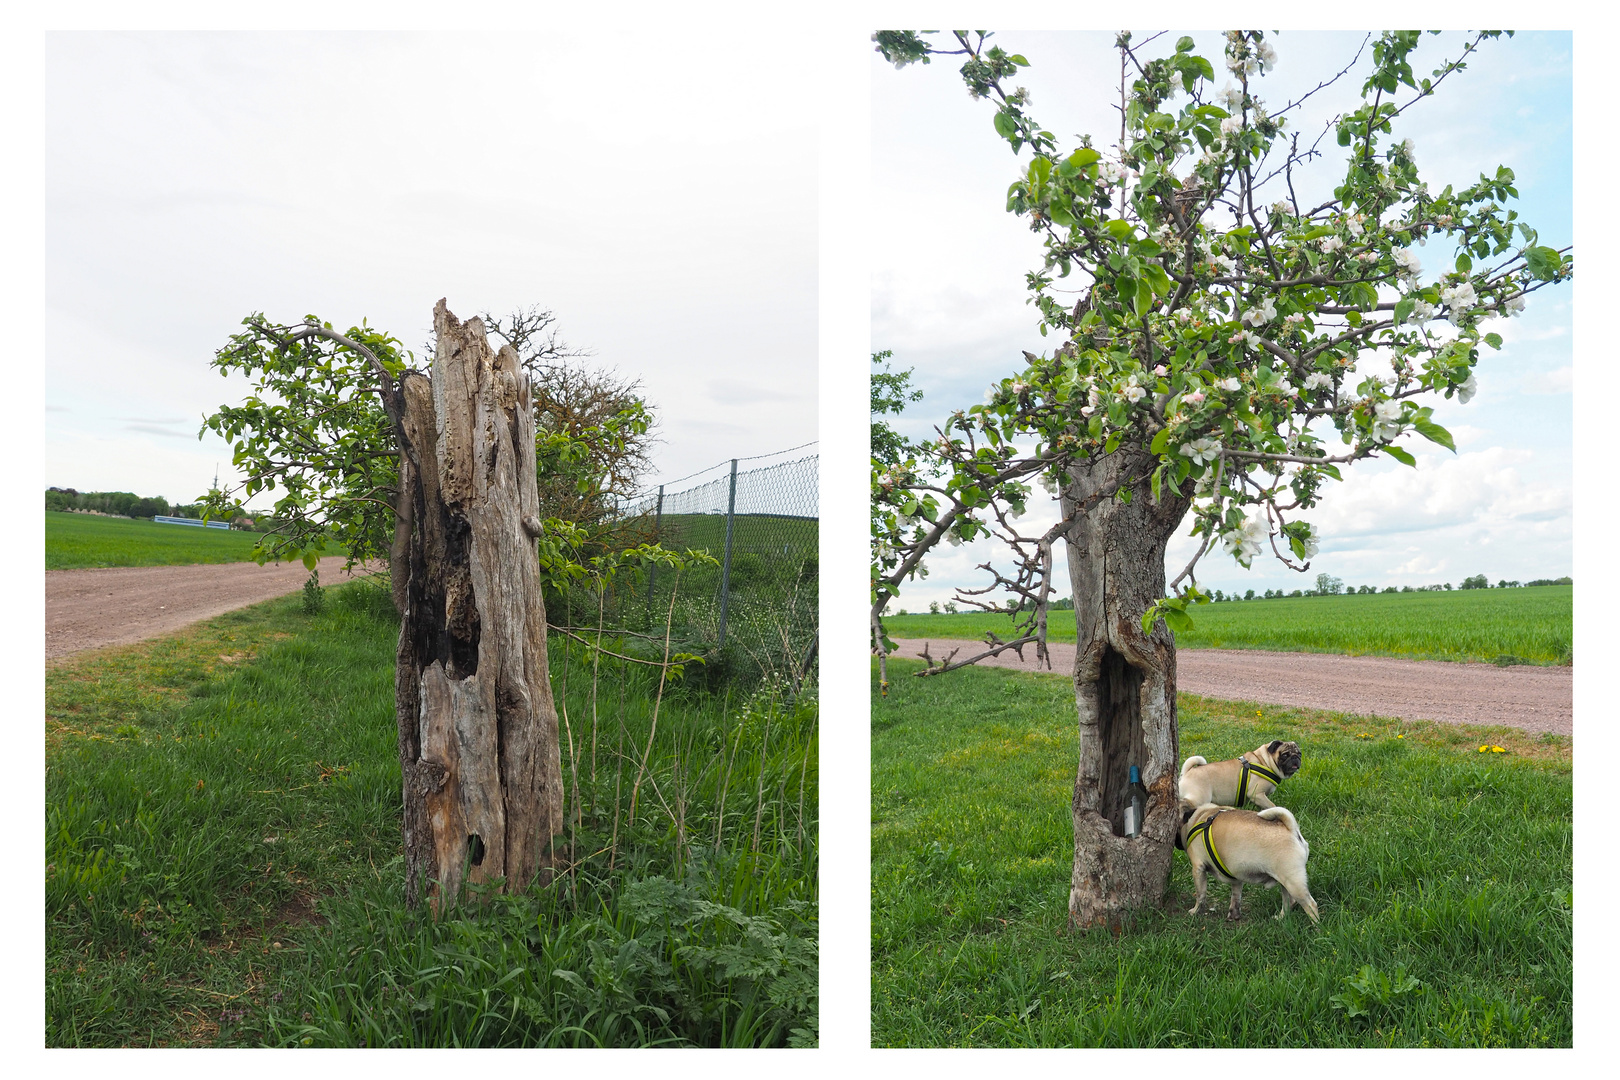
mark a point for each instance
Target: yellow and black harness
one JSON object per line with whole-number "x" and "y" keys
{"x": 1209, "y": 843}
{"x": 1243, "y": 778}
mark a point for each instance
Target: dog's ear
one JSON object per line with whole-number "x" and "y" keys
{"x": 1272, "y": 749}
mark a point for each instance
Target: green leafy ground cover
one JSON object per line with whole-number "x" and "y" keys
{"x": 1534, "y": 625}
{"x": 1443, "y": 874}
{"x": 73, "y": 541}
{"x": 223, "y": 861}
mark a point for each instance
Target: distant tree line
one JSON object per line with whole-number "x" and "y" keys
{"x": 1326, "y": 585}
{"x": 118, "y": 503}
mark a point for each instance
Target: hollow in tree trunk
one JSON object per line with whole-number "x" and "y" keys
{"x": 478, "y": 740}
{"x": 1124, "y": 689}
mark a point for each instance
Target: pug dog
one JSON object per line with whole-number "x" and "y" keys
{"x": 1254, "y": 776}
{"x": 1242, "y": 846}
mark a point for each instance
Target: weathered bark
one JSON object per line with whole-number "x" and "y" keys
{"x": 478, "y": 739}
{"x": 1124, "y": 689}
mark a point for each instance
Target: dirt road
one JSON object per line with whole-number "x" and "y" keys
{"x": 1532, "y": 698}
{"x": 87, "y": 609}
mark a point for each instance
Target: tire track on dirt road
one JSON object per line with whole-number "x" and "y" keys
{"x": 120, "y": 605}
{"x": 1532, "y": 698}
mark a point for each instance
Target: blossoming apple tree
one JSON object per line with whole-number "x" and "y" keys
{"x": 1232, "y": 350}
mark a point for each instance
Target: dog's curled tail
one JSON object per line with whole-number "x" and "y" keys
{"x": 1282, "y": 813}
{"x": 1192, "y": 763}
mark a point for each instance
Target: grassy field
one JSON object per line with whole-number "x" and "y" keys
{"x": 1534, "y": 625}
{"x": 223, "y": 857}
{"x": 1443, "y": 875}
{"x": 73, "y": 541}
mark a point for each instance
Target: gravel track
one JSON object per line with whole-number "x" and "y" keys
{"x": 91, "y": 609}
{"x": 1538, "y": 699}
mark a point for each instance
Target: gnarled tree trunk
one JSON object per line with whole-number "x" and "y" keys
{"x": 478, "y": 740}
{"x": 1124, "y": 690}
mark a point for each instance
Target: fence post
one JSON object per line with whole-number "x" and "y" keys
{"x": 652, "y": 571}
{"x": 725, "y": 566}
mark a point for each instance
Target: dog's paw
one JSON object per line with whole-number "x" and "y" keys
{"x": 1192, "y": 911}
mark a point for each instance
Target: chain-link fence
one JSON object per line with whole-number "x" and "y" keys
{"x": 756, "y": 611}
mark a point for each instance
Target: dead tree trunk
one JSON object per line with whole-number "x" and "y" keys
{"x": 1124, "y": 689}
{"x": 478, "y": 739}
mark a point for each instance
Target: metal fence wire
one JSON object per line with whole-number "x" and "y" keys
{"x": 758, "y": 606}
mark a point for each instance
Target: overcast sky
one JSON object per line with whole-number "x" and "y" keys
{"x": 948, "y": 292}
{"x": 193, "y": 178}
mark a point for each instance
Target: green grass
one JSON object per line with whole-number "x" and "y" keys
{"x": 1430, "y": 861}
{"x": 73, "y": 541}
{"x": 223, "y": 861}
{"x": 1534, "y": 625}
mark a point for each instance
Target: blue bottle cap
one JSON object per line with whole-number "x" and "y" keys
{"x": 1136, "y": 775}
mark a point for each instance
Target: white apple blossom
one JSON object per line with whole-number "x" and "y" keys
{"x": 1406, "y": 263}
{"x": 1231, "y": 383}
{"x": 1200, "y": 451}
{"x": 1330, "y": 244}
{"x": 1243, "y": 543}
{"x": 1458, "y": 299}
{"x": 1133, "y": 393}
{"x": 1515, "y": 306}
{"x": 1422, "y": 311}
{"x": 1387, "y": 420}
{"x": 1259, "y": 316}
{"x": 1268, "y": 56}
{"x": 1467, "y": 389}
{"x": 1354, "y": 225}
{"x": 1231, "y": 125}
{"x": 1231, "y": 98}
{"x": 1195, "y": 397}
{"x": 1318, "y": 380}
{"x": 1312, "y": 541}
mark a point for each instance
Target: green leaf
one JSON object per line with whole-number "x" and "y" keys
{"x": 1178, "y": 621}
{"x": 1403, "y": 309}
{"x": 1006, "y": 127}
{"x": 1434, "y": 433}
{"x": 311, "y": 560}
{"x": 1121, "y": 229}
{"x": 1083, "y": 157}
{"x": 1464, "y": 263}
{"x": 1143, "y": 300}
{"x": 1160, "y": 441}
{"x": 1401, "y": 455}
{"x": 1544, "y": 262}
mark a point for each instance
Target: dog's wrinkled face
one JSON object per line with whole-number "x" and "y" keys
{"x": 1286, "y": 755}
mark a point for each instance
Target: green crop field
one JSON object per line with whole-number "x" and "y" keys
{"x": 1433, "y": 932}
{"x": 73, "y": 541}
{"x": 1534, "y": 625}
